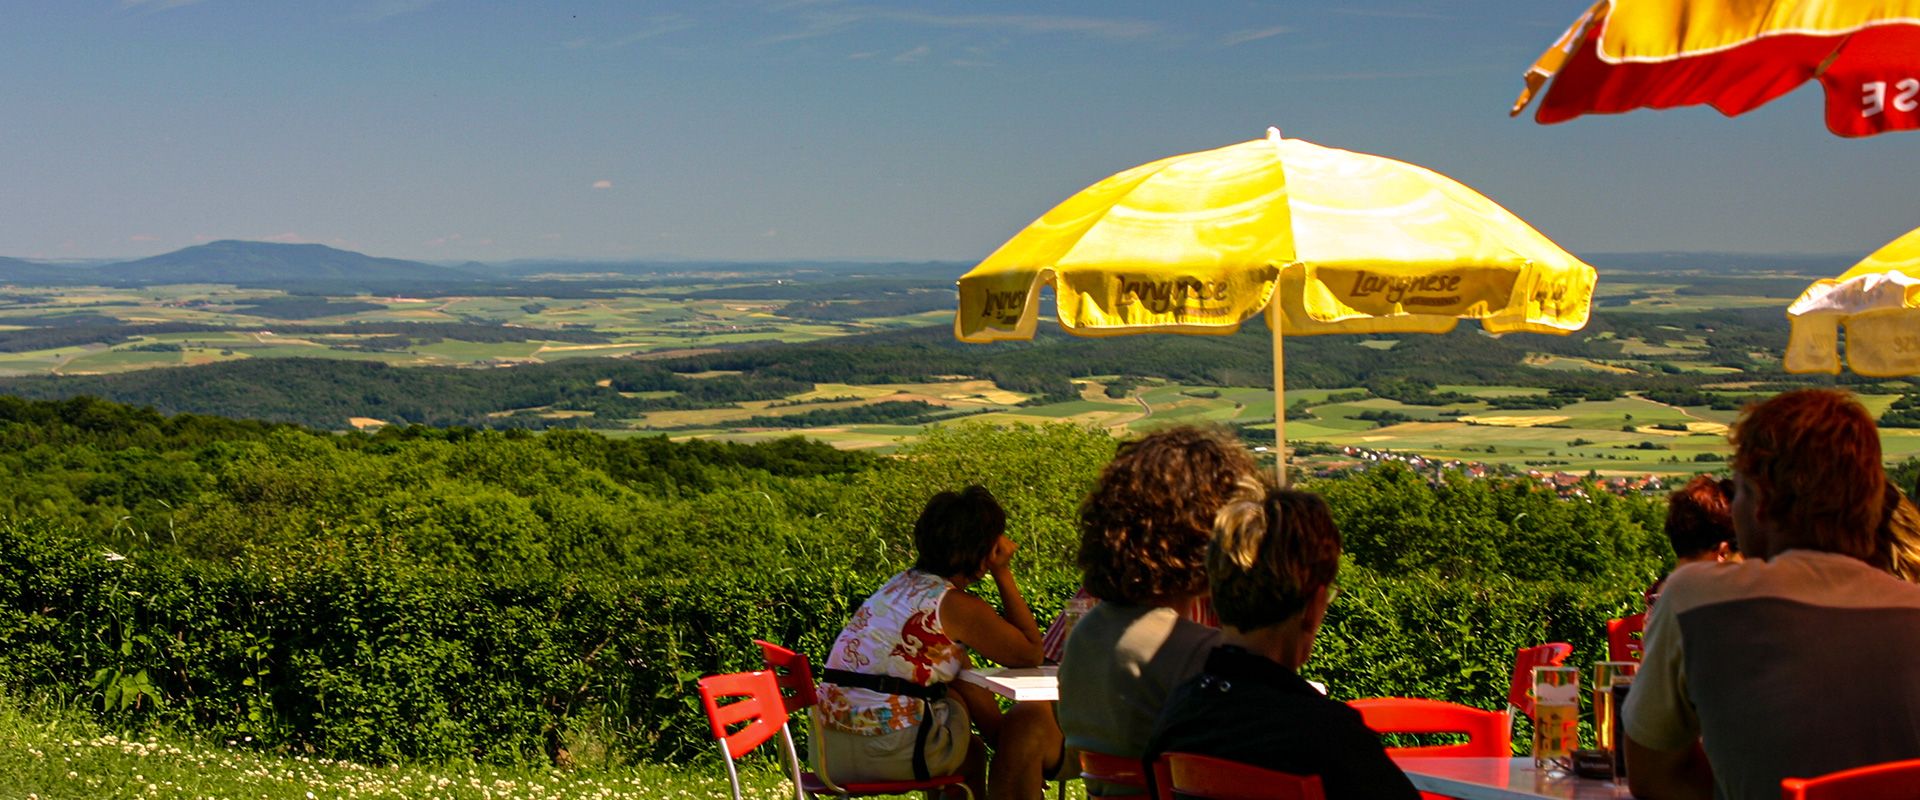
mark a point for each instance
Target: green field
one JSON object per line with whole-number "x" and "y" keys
{"x": 1626, "y": 435}
{"x": 638, "y": 321}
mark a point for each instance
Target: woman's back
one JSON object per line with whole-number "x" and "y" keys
{"x": 896, "y": 633}
{"x": 1121, "y": 663}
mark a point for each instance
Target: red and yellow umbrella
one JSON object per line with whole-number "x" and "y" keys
{"x": 1736, "y": 55}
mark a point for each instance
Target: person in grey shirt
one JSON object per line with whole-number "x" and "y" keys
{"x": 1143, "y": 543}
{"x": 1800, "y": 660}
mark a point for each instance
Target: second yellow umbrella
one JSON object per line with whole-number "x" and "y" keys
{"x": 1348, "y": 242}
{"x": 1878, "y": 301}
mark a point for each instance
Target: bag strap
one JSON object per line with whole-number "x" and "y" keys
{"x": 884, "y": 684}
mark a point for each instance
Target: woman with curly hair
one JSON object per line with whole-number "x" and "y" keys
{"x": 1143, "y": 550}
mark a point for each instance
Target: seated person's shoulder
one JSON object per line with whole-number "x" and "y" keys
{"x": 1710, "y": 582}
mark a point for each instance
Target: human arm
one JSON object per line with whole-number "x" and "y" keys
{"x": 1682, "y": 774}
{"x": 1008, "y": 637}
{"x": 1013, "y": 605}
{"x": 1661, "y": 728}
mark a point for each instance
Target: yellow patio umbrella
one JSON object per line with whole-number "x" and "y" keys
{"x": 1350, "y": 243}
{"x": 1878, "y": 301}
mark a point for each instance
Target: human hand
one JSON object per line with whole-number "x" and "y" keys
{"x": 1002, "y": 554}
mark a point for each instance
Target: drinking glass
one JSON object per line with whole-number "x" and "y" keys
{"x": 1556, "y": 717}
{"x": 1622, "y": 683}
{"x": 1605, "y": 674}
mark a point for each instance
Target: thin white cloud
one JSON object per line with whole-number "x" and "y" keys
{"x": 383, "y": 9}
{"x": 655, "y": 27}
{"x": 913, "y": 56}
{"x": 1381, "y": 76}
{"x": 441, "y": 241}
{"x": 818, "y": 25}
{"x": 1389, "y": 14}
{"x": 1093, "y": 27}
{"x": 1243, "y": 37}
{"x": 288, "y": 237}
{"x": 155, "y": 5}
{"x": 603, "y": 184}
{"x": 823, "y": 23}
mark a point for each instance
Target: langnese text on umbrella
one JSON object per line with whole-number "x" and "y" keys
{"x": 1165, "y": 295}
{"x": 1366, "y": 284}
{"x": 1874, "y": 102}
{"x": 1005, "y": 304}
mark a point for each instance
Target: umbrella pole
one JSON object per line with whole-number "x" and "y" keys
{"x": 1279, "y": 395}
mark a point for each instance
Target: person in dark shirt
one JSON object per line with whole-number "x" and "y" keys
{"x": 1271, "y": 567}
{"x": 1700, "y": 526}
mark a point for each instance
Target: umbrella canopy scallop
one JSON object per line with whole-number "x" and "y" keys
{"x": 1878, "y": 302}
{"x": 1346, "y": 242}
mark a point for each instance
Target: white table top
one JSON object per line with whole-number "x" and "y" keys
{"x": 1023, "y": 685}
{"x": 1502, "y": 779}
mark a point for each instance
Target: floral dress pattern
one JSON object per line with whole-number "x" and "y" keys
{"x": 896, "y": 632}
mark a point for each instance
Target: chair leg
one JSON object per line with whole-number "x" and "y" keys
{"x": 733, "y": 775}
{"x": 793, "y": 762}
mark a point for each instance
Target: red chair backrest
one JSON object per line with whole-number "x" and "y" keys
{"x": 1219, "y": 779}
{"x": 1897, "y": 780}
{"x": 1520, "y": 688}
{"x": 759, "y": 709}
{"x": 1112, "y": 769}
{"x": 1489, "y": 733}
{"x": 793, "y": 673}
{"x": 1623, "y": 637}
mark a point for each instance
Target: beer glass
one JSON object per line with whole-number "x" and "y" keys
{"x": 1556, "y": 716}
{"x": 1605, "y": 674}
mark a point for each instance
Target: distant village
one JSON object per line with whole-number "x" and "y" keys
{"x": 1565, "y": 484}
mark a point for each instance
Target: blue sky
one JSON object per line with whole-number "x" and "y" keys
{"x": 810, "y": 129}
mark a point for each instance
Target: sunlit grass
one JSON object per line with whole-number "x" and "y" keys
{"x": 51, "y": 753}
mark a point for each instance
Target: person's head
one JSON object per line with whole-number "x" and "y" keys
{"x": 1274, "y": 555}
{"x": 1145, "y": 526}
{"x": 1897, "y": 541}
{"x": 1700, "y": 520}
{"x": 1807, "y": 475}
{"x": 957, "y": 531}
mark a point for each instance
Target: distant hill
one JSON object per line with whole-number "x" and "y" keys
{"x": 942, "y": 270}
{"x": 1809, "y": 265}
{"x": 14, "y": 270}
{"x": 268, "y": 264}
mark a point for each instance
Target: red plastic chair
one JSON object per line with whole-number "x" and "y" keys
{"x": 1896, "y": 780}
{"x": 793, "y": 673}
{"x": 758, "y": 701}
{"x": 1112, "y": 769}
{"x": 1623, "y": 637}
{"x": 1212, "y": 778}
{"x": 1520, "y": 688}
{"x": 1489, "y": 733}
